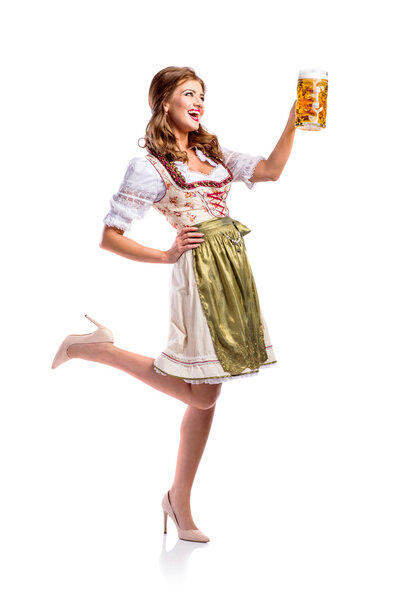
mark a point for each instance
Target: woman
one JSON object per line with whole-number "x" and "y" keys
{"x": 217, "y": 331}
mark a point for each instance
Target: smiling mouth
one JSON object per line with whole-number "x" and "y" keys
{"x": 194, "y": 115}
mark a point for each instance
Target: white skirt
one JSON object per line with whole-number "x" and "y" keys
{"x": 190, "y": 354}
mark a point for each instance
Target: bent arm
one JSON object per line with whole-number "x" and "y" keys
{"x": 271, "y": 168}
{"x": 113, "y": 240}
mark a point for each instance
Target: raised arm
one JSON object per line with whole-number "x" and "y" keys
{"x": 271, "y": 168}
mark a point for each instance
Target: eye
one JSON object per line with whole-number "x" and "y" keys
{"x": 202, "y": 97}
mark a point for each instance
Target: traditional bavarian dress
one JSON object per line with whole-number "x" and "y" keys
{"x": 217, "y": 331}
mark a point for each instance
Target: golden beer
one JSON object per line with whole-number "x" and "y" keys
{"x": 311, "y": 104}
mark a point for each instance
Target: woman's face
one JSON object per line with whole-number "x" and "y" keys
{"x": 185, "y": 107}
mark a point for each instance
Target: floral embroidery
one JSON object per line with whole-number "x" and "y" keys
{"x": 162, "y": 210}
{"x": 206, "y": 200}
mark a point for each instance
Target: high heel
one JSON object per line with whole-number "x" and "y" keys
{"x": 189, "y": 535}
{"x": 101, "y": 334}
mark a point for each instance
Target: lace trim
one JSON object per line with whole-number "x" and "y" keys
{"x": 223, "y": 379}
{"x": 185, "y": 169}
{"x": 248, "y": 171}
{"x": 131, "y": 195}
{"x": 126, "y": 205}
{"x": 179, "y": 179}
{"x": 114, "y": 220}
{"x": 242, "y": 165}
{"x": 203, "y": 156}
{"x": 199, "y": 360}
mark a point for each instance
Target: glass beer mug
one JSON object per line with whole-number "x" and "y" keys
{"x": 311, "y": 104}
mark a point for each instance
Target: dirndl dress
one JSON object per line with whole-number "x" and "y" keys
{"x": 217, "y": 331}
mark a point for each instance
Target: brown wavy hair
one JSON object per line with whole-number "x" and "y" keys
{"x": 159, "y": 137}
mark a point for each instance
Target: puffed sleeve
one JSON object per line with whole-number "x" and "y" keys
{"x": 241, "y": 165}
{"x": 140, "y": 187}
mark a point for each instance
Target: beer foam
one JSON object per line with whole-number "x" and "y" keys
{"x": 312, "y": 74}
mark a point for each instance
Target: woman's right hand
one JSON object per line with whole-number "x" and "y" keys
{"x": 186, "y": 239}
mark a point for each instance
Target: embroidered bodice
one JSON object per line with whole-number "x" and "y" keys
{"x": 183, "y": 196}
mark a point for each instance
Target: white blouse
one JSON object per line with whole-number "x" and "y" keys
{"x": 142, "y": 185}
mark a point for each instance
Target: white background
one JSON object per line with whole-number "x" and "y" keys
{"x": 308, "y": 486}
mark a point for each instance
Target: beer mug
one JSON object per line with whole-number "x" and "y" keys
{"x": 311, "y": 104}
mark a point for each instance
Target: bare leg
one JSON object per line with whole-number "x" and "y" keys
{"x": 194, "y": 431}
{"x": 196, "y": 423}
{"x": 202, "y": 396}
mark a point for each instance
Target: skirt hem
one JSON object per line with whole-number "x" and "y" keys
{"x": 222, "y": 379}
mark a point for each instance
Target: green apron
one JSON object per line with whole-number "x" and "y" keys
{"x": 229, "y": 296}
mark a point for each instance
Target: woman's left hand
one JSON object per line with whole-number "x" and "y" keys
{"x": 292, "y": 117}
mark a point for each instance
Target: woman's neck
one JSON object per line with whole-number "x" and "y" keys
{"x": 182, "y": 140}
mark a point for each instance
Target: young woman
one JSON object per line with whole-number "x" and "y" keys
{"x": 217, "y": 331}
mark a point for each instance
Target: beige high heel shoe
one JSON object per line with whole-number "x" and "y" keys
{"x": 101, "y": 334}
{"x": 189, "y": 535}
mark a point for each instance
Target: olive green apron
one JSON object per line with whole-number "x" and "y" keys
{"x": 229, "y": 296}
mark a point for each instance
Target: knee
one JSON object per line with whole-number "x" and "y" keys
{"x": 206, "y": 403}
{"x": 208, "y": 395}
